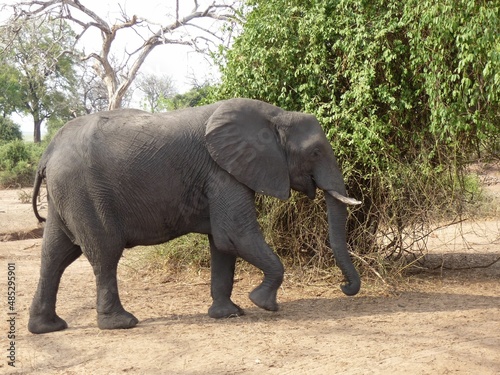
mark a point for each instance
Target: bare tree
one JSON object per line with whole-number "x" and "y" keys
{"x": 93, "y": 92}
{"x": 118, "y": 77}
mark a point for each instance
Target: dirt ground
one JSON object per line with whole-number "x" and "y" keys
{"x": 437, "y": 322}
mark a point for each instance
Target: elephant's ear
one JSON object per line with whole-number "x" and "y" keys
{"x": 242, "y": 139}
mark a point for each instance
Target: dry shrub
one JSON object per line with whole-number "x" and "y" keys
{"x": 189, "y": 251}
{"x": 297, "y": 229}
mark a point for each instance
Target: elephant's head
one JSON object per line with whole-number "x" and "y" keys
{"x": 271, "y": 150}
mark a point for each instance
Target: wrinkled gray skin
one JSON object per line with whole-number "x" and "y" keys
{"x": 125, "y": 178}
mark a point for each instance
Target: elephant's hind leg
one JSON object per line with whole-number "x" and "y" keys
{"x": 222, "y": 274}
{"x": 58, "y": 252}
{"x": 110, "y": 312}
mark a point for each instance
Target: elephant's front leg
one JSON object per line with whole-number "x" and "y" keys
{"x": 110, "y": 312}
{"x": 256, "y": 251}
{"x": 252, "y": 247}
{"x": 222, "y": 273}
{"x": 235, "y": 230}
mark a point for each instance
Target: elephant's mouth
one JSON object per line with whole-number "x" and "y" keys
{"x": 304, "y": 184}
{"x": 311, "y": 187}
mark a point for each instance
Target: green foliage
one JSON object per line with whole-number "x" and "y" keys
{"x": 9, "y": 131}
{"x": 10, "y": 87}
{"x": 53, "y": 125}
{"x": 18, "y": 163}
{"x": 192, "y": 98}
{"x": 407, "y": 92}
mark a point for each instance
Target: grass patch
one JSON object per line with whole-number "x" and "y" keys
{"x": 191, "y": 251}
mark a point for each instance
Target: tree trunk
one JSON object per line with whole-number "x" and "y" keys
{"x": 115, "y": 102}
{"x": 37, "y": 135}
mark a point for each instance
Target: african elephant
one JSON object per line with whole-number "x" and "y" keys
{"x": 124, "y": 178}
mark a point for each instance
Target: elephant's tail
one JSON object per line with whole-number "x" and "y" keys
{"x": 36, "y": 190}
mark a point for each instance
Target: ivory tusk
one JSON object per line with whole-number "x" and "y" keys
{"x": 343, "y": 199}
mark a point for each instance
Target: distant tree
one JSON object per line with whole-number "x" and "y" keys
{"x": 191, "y": 98}
{"x": 144, "y": 36}
{"x": 155, "y": 88}
{"x": 91, "y": 89}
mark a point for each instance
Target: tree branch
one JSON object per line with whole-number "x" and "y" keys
{"x": 74, "y": 11}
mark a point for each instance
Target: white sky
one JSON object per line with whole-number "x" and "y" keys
{"x": 176, "y": 61}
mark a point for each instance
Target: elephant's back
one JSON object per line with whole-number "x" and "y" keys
{"x": 128, "y": 149}
{"x": 111, "y": 137}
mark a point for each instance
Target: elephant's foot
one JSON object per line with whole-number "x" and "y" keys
{"x": 226, "y": 309}
{"x": 265, "y": 298}
{"x": 44, "y": 324}
{"x": 116, "y": 320}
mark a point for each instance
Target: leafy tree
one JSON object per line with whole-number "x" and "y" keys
{"x": 406, "y": 92}
{"x": 9, "y": 131}
{"x": 10, "y": 87}
{"x": 44, "y": 70}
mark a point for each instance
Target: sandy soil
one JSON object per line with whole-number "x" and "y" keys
{"x": 437, "y": 322}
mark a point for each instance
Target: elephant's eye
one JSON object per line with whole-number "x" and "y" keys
{"x": 316, "y": 152}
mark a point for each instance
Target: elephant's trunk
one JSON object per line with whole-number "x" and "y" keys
{"x": 337, "y": 215}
